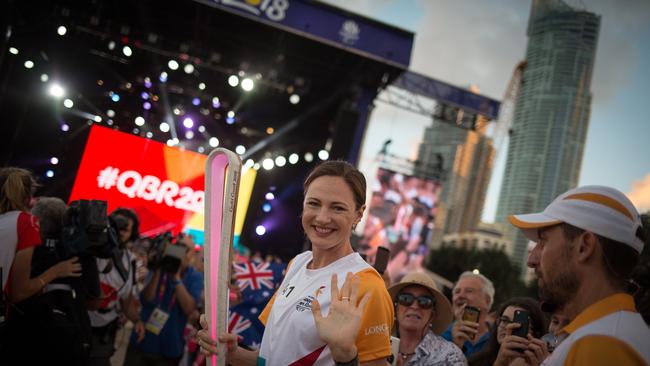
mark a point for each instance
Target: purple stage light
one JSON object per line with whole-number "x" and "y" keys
{"x": 146, "y": 105}
{"x": 188, "y": 123}
{"x": 144, "y": 95}
{"x": 196, "y": 101}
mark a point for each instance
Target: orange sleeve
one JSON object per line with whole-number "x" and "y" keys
{"x": 602, "y": 350}
{"x": 373, "y": 340}
{"x": 264, "y": 315}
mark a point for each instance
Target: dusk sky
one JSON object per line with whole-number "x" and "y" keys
{"x": 479, "y": 42}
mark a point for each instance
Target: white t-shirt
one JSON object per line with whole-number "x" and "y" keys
{"x": 290, "y": 336}
{"x": 113, "y": 288}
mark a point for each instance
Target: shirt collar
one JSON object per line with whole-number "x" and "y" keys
{"x": 602, "y": 308}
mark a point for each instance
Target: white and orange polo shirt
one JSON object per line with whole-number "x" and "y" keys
{"x": 608, "y": 332}
{"x": 290, "y": 336}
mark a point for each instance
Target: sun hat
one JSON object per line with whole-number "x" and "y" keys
{"x": 601, "y": 210}
{"x": 444, "y": 314}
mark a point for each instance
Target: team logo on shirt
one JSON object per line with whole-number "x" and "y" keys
{"x": 304, "y": 304}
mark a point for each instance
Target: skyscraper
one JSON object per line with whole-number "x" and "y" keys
{"x": 466, "y": 158}
{"x": 551, "y": 113}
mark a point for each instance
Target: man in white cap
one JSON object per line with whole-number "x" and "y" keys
{"x": 589, "y": 240}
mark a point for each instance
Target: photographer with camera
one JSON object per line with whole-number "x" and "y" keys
{"x": 169, "y": 298}
{"x": 117, "y": 280}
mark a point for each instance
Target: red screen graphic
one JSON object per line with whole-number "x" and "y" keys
{"x": 164, "y": 185}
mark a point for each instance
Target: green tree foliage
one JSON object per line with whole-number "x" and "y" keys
{"x": 451, "y": 261}
{"x": 641, "y": 274}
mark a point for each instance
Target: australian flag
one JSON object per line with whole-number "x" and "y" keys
{"x": 257, "y": 282}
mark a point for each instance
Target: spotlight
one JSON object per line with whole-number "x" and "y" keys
{"x": 65, "y": 127}
{"x": 170, "y": 142}
{"x": 269, "y": 196}
{"x": 50, "y": 174}
{"x": 215, "y": 102}
{"x": 260, "y": 230}
{"x": 146, "y": 105}
{"x": 68, "y": 103}
{"x": 163, "y": 77}
{"x": 267, "y": 164}
{"x": 270, "y": 130}
{"x": 110, "y": 113}
{"x": 231, "y": 114}
{"x": 13, "y": 50}
{"x": 247, "y": 84}
{"x": 240, "y": 149}
{"x": 139, "y": 121}
{"x": 293, "y": 158}
{"x": 61, "y": 30}
{"x": 54, "y": 160}
{"x": 164, "y": 127}
{"x": 109, "y": 122}
{"x": 230, "y": 120}
{"x": 201, "y": 149}
{"x": 213, "y": 141}
{"x": 309, "y": 157}
{"x": 147, "y": 82}
{"x": 294, "y": 99}
{"x": 127, "y": 51}
{"x": 115, "y": 97}
{"x": 249, "y": 164}
{"x": 149, "y": 134}
{"x": 256, "y": 166}
{"x": 97, "y": 119}
{"x": 44, "y": 78}
{"x": 177, "y": 111}
{"x": 188, "y": 123}
{"x": 29, "y": 64}
{"x": 189, "y": 134}
{"x": 196, "y": 101}
{"x": 56, "y": 90}
{"x": 280, "y": 161}
{"x": 266, "y": 207}
{"x": 176, "y": 140}
{"x": 202, "y": 128}
{"x": 173, "y": 65}
{"x": 233, "y": 80}
{"x": 323, "y": 155}
{"x": 111, "y": 45}
{"x": 202, "y": 86}
{"x": 189, "y": 68}
{"x": 144, "y": 95}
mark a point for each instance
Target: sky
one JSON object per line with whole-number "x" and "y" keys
{"x": 479, "y": 42}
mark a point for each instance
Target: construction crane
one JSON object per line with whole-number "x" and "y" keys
{"x": 500, "y": 130}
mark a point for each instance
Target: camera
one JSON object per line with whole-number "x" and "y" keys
{"x": 86, "y": 231}
{"x": 165, "y": 253}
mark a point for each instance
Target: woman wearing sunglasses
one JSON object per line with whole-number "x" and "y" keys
{"x": 422, "y": 312}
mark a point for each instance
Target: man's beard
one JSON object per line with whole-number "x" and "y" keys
{"x": 561, "y": 289}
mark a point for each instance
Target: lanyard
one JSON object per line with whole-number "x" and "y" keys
{"x": 161, "y": 293}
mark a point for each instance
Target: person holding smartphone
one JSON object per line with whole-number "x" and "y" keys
{"x": 472, "y": 299}
{"x": 422, "y": 312}
{"x": 514, "y": 342}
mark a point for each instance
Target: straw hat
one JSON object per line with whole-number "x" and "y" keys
{"x": 444, "y": 314}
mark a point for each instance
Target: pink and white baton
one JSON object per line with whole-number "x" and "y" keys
{"x": 222, "y": 177}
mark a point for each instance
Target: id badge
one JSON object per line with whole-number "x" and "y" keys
{"x": 157, "y": 321}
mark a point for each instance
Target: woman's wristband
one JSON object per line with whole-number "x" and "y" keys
{"x": 353, "y": 362}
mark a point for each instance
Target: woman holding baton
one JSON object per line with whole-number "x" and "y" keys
{"x": 330, "y": 279}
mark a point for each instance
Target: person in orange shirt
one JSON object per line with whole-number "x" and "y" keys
{"x": 588, "y": 241}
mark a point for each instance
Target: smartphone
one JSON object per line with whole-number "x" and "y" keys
{"x": 394, "y": 350}
{"x": 521, "y": 317}
{"x": 471, "y": 314}
{"x": 381, "y": 259}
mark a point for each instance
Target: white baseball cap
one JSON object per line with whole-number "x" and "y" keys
{"x": 601, "y": 210}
